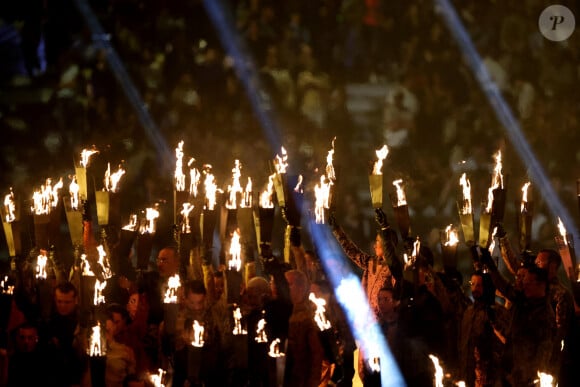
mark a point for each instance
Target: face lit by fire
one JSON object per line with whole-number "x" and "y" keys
{"x": 65, "y": 302}
{"x": 476, "y": 286}
{"x": 167, "y": 263}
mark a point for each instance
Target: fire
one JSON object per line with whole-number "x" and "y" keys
{"x": 438, "y": 371}
{"x": 185, "y": 226}
{"x": 562, "y": 230}
{"x": 492, "y": 244}
{"x": 375, "y": 364}
{"x": 330, "y": 173}
{"x": 460, "y": 383}
{"x": 275, "y": 349}
{"x": 46, "y": 198}
{"x": 451, "y": 236}
{"x": 179, "y": 175}
{"x": 86, "y": 155}
{"x": 319, "y": 313}
{"x": 41, "y": 261}
{"x": 132, "y": 226}
{"x": 86, "y": 268}
{"x": 10, "y": 207}
{"x": 525, "y": 196}
{"x": 99, "y": 297}
{"x": 401, "y": 197}
{"x": 298, "y": 187}
{"x": 198, "y": 330}
{"x": 235, "y": 261}
{"x": 266, "y": 195}
{"x": 466, "y": 208}
{"x": 496, "y": 181}
{"x": 194, "y": 177}
{"x": 261, "y": 336}
{"x": 95, "y": 345}
{"x": 173, "y": 283}
{"x": 73, "y": 189}
{"x": 112, "y": 180}
{"x": 210, "y": 188}
{"x": 238, "y": 329}
{"x": 104, "y": 262}
{"x": 151, "y": 215}
{"x": 416, "y": 248}
{"x": 5, "y": 288}
{"x": 247, "y": 199}
{"x": 281, "y": 162}
{"x": 157, "y": 379}
{"x": 322, "y": 196}
{"x": 546, "y": 380}
{"x": 235, "y": 188}
{"x": 381, "y": 155}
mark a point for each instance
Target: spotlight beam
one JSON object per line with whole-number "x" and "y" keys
{"x": 102, "y": 40}
{"x": 504, "y": 114}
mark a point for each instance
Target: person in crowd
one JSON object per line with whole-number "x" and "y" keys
{"x": 120, "y": 358}
{"x": 26, "y": 357}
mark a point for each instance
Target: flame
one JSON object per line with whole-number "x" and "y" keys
{"x": 210, "y": 188}
{"x": 451, "y": 236}
{"x": 281, "y": 162}
{"x": 86, "y": 155}
{"x": 401, "y": 198}
{"x": 112, "y": 180}
{"x": 173, "y": 283}
{"x": 298, "y": 187}
{"x": 104, "y": 262}
{"x": 381, "y": 155}
{"x": 275, "y": 349}
{"x": 46, "y": 198}
{"x": 6, "y": 289}
{"x": 416, "y": 248}
{"x": 438, "y": 371}
{"x": 185, "y": 226}
{"x": 194, "y": 178}
{"x": 235, "y": 261}
{"x": 496, "y": 181}
{"x": 151, "y": 215}
{"x": 545, "y": 380}
{"x": 99, "y": 297}
{"x": 375, "y": 364}
{"x": 41, "y": 262}
{"x": 406, "y": 259}
{"x": 238, "y": 329}
{"x": 179, "y": 175}
{"x": 86, "y": 268}
{"x": 492, "y": 244}
{"x": 266, "y": 195}
{"x": 460, "y": 383}
{"x": 524, "y": 196}
{"x": 198, "y": 330}
{"x": 132, "y": 226}
{"x": 319, "y": 313}
{"x": 466, "y": 209}
{"x": 562, "y": 230}
{"x": 10, "y": 207}
{"x": 330, "y": 173}
{"x": 322, "y": 196}
{"x": 73, "y": 190}
{"x": 95, "y": 346}
{"x": 235, "y": 187}
{"x": 261, "y": 336}
{"x": 157, "y": 379}
{"x": 247, "y": 198}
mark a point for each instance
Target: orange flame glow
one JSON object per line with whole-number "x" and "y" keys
{"x": 198, "y": 330}
{"x": 275, "y": 349}
{"x": 150, "y": 226}
{"x": 381, "y": 155}
{"x": 466, "y": 208}
{"x": 112, "y": 180}
{"x": 86, "y": 267}
{"x": 438, "y": 371}
{"x": 451, "y": 236}
{"x": 99, "y": 297}
{"x": 173, "y": 283}
{"x": 5, "y": 288}
{"x": 235, "y": 261}
{"x": 10, "y": 207}
{"x": 320, "y": 312}
{"x": 41, "y": 262}
{"x": 95, "y": 345}
{"x": 261, "y": 336}
{"x": 185, "y": 226}
{"x": 562, "y": 230}
{"x": 281, "y": 162}
{"x": 496, "y": 181}
{"x": 401, "y": 197}
{"x": 247, "y": 198}
{"x": 194, "y": 178}
{"x": 545, "y": 380}
{"x": 322, "y": 195}
{"x": 330, "y": 173}
{"x": 525, "y": 188}
{"x": 266, "y": 195}
{"x": 210, "y": 188}
{"x": 73, "y": 190}
{"x": 157, "y": 379}
{"x": 132, "y": 226}
{"x": 238, "y": 329}
{"x": 86, "y": 155}
{"x": 179, "y": 176}
{"x": 235, "y": 188}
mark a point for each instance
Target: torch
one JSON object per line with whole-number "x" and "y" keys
{"x": 170, "y": 306}
{"x": 180, "y": 195}
{"x": 108, "y": 200}
{"x": 97, "y": 352}
{"x": 265, "y": 220}
{"x": 147, "y": 229}
{"x": 43, "y": 287}
{"x": 74, "y": 213}
{"x": 45, "y": 213}
{"x": 11, "y": 224}
{"x": 449, "y": 242}
{"x": 401, "y": 210}
{"x": 81, "y": 172}
{"x": 495, "y": 204}
{"x": 209, "y": 215}
{"x": 326, "y": 333}
{"x": 376, "y": 178}
{"x": 524, "y": 218}
{"x": 466, "y": 211}
{"x": 564, "y": 241}
{"x": 195, "y": 351}
{"x": 278, "y": 361}
{"x": 245, "y": 217}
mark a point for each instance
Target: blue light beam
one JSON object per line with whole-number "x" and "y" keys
{"x": 101, "y": 40}
{"x": 505, "y": 115}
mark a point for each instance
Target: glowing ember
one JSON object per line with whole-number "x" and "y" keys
{"x": 261, "y": 336}
{"x": 173, "y": 283}
{"x": 275, "y": 349}
{"x": 41, "y": 261}
{"x": 238, "y": 329}
{"x": 10, "y": 207}
{"x": 562, "y": 230}
{"x": 466, "y": 208}
{"x": 210, "y": 186}
{"x": 451, "y": 236}
{"x": 198, "y": 330}
{"x": 319, "y": 313}
{"x": 330, "y": 173}
{"x": 235, "y": 261}
{"x": 73, "y": 190}
{"x": 99, "y": 297}
{"x": 179, "y": 175}
{"x": 545, "y": 380}
{"x": 438, "y": 371}
{"x": 266, "y": 195}
{"x": 281, "y": 162}
{"x": 157, "y": 379}
{"x": 247, "y": 198}
{"x": 401, "y": 197}
{"x": 381, "y": 155}
{"x": 322, "y": 196}
{"x": 194, "y": 178}
{"x": 496, "y": 181}
{"x": 112, "y": 180}
{"x": 132, "y": 226}
{"x": 86, "y": 155}
{"x": 185, "y": 227}
{"x": 235, "y": 188}
{"x": 95, "y": 345}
